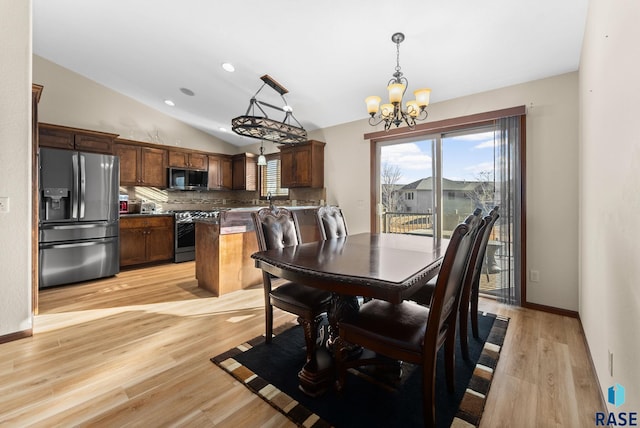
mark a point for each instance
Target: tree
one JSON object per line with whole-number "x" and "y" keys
{"x": 390, "y": 176}
{"x": 483, "y": 195}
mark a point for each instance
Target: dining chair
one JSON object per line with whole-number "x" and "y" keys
{"x": 331, "y": 222}
{"x": 471, "y": 285}
{"x": 278, "y": 228}
{"x": 411, "y": 332}
{"x": 469, "y": 303}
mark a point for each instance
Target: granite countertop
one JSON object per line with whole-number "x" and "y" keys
{"x": 145, "y": 215}
{"x": 238, "y": 220}
{"x": 289, "y": 207}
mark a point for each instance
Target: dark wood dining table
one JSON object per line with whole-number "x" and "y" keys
{"x": 383, "y": 266}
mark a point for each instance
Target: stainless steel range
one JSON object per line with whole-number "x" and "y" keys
{"x": 185, "y": 233}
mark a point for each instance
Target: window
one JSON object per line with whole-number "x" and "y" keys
{"x": 270, "y": 178}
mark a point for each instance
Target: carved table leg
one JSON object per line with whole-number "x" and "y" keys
{"x": 342, "y": 307}
{"x": 318, "y": 373}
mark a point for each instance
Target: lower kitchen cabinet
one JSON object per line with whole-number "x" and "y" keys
{"x": 146, "y": 239}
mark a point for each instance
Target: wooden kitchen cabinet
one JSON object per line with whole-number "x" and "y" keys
{"x": 245, "y": 172}
{"x": 146, "y": 239}
{"x": 185, "y": 159}
{"x": 220, "y": 172}
{"x": 302, "y": 165}
{"x": 141, "y": 165}
{"x": 64, "y": 137}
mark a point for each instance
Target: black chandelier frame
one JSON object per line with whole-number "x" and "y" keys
{"x": 265, "y": 128}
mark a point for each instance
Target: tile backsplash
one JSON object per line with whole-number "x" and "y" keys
{"x": 206, "y": 200}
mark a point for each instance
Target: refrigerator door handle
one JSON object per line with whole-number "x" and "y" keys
{"x": 83, "y": 176}
{"x": 74, "y": 197}
{"x": 75, "y": 226}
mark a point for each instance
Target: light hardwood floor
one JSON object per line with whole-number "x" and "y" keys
{"x": 134, "y": 350}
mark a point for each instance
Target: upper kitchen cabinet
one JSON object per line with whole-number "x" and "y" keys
{"x": 302, "y": 165}
{"x": 220, "y": 172}
{"x": 63, "y": 137}
{"x": 186, "y": 159}
{"x": 245, "y": 172}
{"x": 141, "y": 165}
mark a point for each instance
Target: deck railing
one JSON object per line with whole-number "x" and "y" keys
{"x": 397, "y": 222}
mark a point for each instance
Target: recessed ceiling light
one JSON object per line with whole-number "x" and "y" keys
{"x": 169, "y": 103}
{"x": 187, "y": 91}
{"x": 223, "y": 129}
{"x": 228, "y": 67}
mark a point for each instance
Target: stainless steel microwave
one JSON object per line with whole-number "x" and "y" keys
{"x": 187, "y": 179}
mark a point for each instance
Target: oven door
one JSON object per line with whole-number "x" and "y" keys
{"x": 185, "y": 243}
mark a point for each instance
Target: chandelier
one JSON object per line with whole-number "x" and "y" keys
{"x": 265, "y": 128}
{"x": 392, "y": 113}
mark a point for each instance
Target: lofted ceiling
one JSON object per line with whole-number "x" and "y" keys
{"x": 330, "y": 54}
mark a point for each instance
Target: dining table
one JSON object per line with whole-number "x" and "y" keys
{"x": 386, "y": 266}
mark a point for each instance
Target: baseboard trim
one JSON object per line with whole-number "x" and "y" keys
{"x": 593, "y": 366}
{"x": 15, "y": 336}
{"x": 551, "y": 309}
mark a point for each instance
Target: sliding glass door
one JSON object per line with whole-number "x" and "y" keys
{"x": 427, "y": 185}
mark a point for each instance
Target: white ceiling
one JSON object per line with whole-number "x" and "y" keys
{"x": 329, "y": 54}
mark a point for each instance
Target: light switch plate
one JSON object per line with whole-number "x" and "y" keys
{"x": 4, "y": 204}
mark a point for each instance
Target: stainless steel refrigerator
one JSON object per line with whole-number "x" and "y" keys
{"x": 79, "y": 226}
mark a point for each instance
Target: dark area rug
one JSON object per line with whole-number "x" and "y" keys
{"x": 370, "y": 398}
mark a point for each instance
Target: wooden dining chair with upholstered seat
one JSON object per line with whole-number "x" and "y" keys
{"x": 331, "y": 222}
{"x": 411, "y": 332}
{"x": 471, "y": 284}
{"x": 469, "y": 302}
{"x": 278, "y": 228}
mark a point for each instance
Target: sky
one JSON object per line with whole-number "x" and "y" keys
{"x": 464, "y": 157}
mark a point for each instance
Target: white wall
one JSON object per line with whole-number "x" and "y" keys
{"x": 15, "y": 165}
{"x": 552, "y": 176}
{"x": 610, "y": 193}
{"x": 73, "y": 100}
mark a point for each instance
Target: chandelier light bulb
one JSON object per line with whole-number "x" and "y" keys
{"x": 373, "y": 104}
{"x": 413, "y": 109}
{"x": 262, "y": 160}
{"x": 396, "y": 90}
{"x": 422, "y": 96}
{"x": 387, "y": 110}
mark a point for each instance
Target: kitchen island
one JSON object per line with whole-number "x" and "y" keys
{"x": 224, "y": 246}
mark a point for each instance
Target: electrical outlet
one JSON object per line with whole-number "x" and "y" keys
{"x": 4, "y": 204}
{"x": 534, "y": 275}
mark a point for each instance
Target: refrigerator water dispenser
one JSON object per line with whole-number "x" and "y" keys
{"x": 57, "y": 203}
